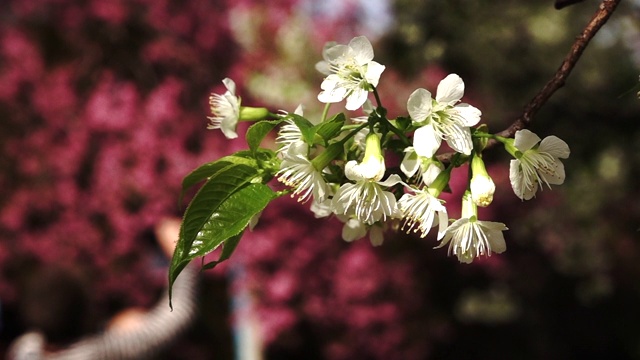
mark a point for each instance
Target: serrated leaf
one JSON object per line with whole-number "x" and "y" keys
{"x": 257, "y": 132}
{"x": 201, "y": 173}
{"x": 222, "y": 208}
{"x": 331, "y": 128}
{"x": 231, "y": 217}
{"x": 207, "y": 170}
{"x": 307, "y": 129}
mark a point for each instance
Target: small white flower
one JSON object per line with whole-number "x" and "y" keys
{"x": 226, "y": 110}
{"x": 353, "y": 229}
{"x": 366, "y": 200}
{"x": 321, "y": 209}
{"x": 442, "y": 118}
{"x": 428, "y": 168}
{"x": 296, "y": 171}
{"x": 468, "y": 237}
{"x": 351, "y": 72}
{"x": 289, "y": 134}
{"x": 536, "y": 164}
{"x": 422, "y": 211}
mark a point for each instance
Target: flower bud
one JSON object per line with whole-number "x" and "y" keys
{"x": 481, "y": 186}
{"x": 372, "y": 166}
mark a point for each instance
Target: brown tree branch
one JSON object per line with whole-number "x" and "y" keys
{"x": 601, "y": 16}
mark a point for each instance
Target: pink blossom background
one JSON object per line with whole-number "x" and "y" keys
{"x": 103, "y": 108}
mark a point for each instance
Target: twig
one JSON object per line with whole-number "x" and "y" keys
{"x": 601, "y": 16}
{"x": 564, "y": 3}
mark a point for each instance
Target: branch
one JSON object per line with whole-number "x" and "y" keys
{"x": 601, "y": 16}
{"x": 564, "y": 3}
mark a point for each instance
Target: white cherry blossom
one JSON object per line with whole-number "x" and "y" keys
{"x": 442, "y": 118}
{"x": 226, "y": 110}
{"x": 536, "y": 162}
{"x": 422, "y": 211}
{"x": 351, "y": 73}
{"x": 469, "y": 238}
{"x": 297, "y": 171}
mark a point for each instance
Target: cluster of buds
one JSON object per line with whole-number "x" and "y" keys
{"x": 338, "y": 165}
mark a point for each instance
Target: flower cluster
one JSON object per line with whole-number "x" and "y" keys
{"x": 340, "y": 166}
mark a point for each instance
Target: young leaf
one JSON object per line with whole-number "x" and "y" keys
{"x": 201, "y": 173}
{"x": 330, "y": 128}
{"x": 231, "y": 217}
{"x": 257, "y": 132}
{"x": 222, "y": 208}
{"x": 207, "y": 170}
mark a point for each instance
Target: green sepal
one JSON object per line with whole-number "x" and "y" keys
{"x": 402, "y": 123}
{"x": 480, "y": 138}
{"x": 257, "y": 132}
{"x": 331, "y": 128}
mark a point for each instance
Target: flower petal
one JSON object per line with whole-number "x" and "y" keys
{"x": 376, "y": 235}
{"x": 374, "y": 70}
{"x": 364, "y": 171}
{"x": 432, "y": 171}
{"x": 459, "y": 138}
{"x": 229, "y": 130}
{"x": 442, "y": 220}
{"x": 425, "y": 141}
{"x": 525, "y": 140}
{"x": 518, "y": 182}
{"x": 230, "y": 85}
{"x": 334, "y": 53}
{"x": 451, "y": 230}
{"x": 321, "y": 209}
{"x": 495, "y": 236}
{"x": 353, "y": 230}
{"x": 323, "y": 67}
{"x": 356, "y": 99}
{"x": 410, "y": 163}
{"x": 363, "y": 51}
{"x": 450, "y": 90}
{"x": 557, "y": 177}
{"x": 469, "y": 115}
{"x": 516, "y": 178}
{"x": 392, "y": 180}
{"x": 419, "y": 105}
{"x": 555, "y": 146}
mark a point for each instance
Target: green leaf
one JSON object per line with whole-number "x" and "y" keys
{"x": 257, "y": 132}
{"x": 207, "y": 170}
{"x": 221, "y": 209}
{"x": 228, "y": 248}
{"x": 231, "y": 217}
{"x": 306, "y": 127}
{"x": 201, "y": 173}
{"x": 330, "y": 128}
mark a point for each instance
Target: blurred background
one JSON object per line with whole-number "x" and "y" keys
{"x": 103, "y": 108}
